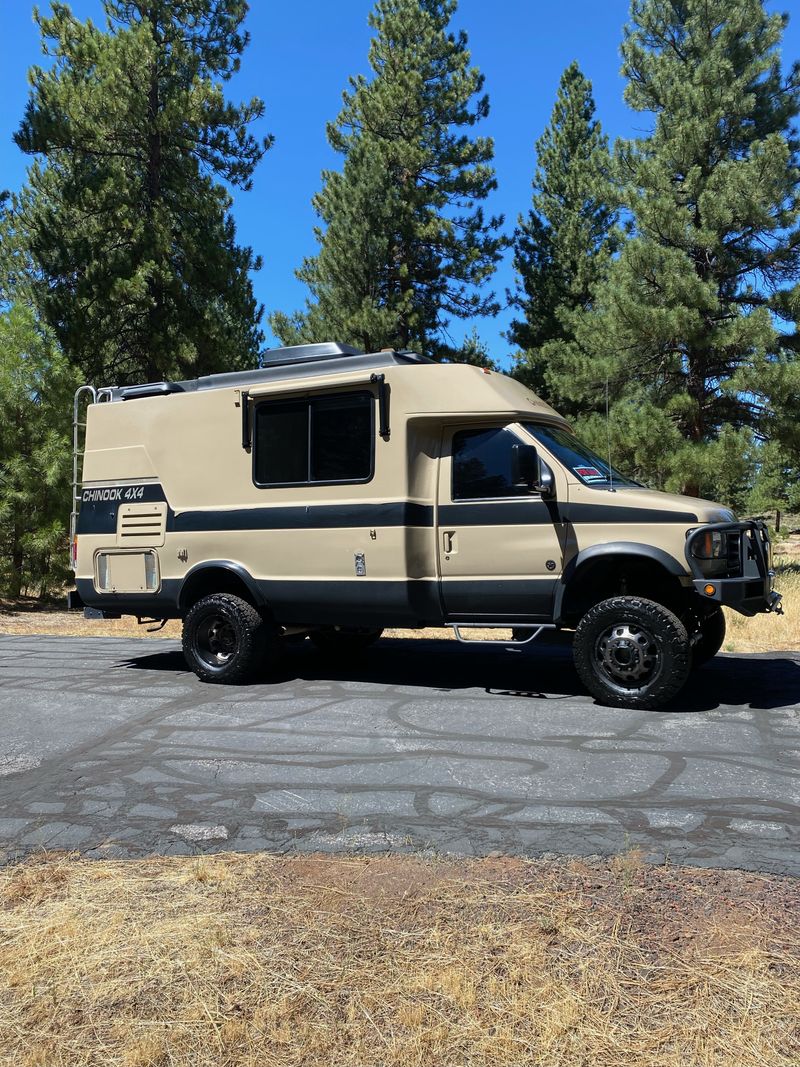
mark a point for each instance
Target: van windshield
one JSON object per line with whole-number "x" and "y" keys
{"x": 577, "y": 458}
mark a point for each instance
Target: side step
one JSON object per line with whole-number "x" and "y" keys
{"x": 536, "y": 630}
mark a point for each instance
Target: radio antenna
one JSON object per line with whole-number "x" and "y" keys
{"x": 608, "y": 438}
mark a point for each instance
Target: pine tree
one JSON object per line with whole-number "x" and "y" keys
{"x": 562, "y": 246}
{"x": 776, "y": 485}
{"x": 698, "y": 314}
{"x": 404, "y": 242}
{"x": 358, "y": 207}
{"x": 137, "y": 267}
{"x": 36, "y": 387}
{"x": 475, "y": 351}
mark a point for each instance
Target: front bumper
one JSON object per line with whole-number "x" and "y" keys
{"x": 746, "y": 584}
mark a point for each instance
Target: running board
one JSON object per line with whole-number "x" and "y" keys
{"x": 457, "y": 627}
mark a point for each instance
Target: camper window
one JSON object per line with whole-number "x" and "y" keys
{"x": 321, "y": 439}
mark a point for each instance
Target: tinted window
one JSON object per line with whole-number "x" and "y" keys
{"x": 341, "y": 438}
{"x": 281, "y": 439}
{"x": 322, "y": 439}
{"x": 483, "y": 464}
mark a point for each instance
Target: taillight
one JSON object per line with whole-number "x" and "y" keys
{"x": 73, "y": 553}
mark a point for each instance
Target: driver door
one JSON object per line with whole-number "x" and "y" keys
{"x": 500, "y": 544}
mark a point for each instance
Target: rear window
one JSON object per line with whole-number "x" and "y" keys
{"x": 314, "y": 440}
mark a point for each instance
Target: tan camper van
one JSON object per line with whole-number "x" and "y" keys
{"x": 334, "y": 493}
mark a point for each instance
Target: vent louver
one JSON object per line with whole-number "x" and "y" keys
{"x": 141, "y": 525}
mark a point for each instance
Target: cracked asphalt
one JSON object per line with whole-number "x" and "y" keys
{"x": 112, "y": 748}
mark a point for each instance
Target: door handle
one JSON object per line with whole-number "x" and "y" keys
{"x": 449, "y": 542}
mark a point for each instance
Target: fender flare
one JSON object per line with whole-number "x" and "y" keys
{"x": 613, "y": 548}
{"x": 224, "y": 565}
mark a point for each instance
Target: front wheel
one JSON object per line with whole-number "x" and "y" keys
{"x": 225, "y": 640}
{"x": 632, "y": 653}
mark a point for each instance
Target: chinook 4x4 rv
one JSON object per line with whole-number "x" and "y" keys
{"x": 334, "y": 493}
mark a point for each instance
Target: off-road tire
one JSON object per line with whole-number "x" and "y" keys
{"x": 666, "y": 643}
{"x": 712, "y": 635}
{"x": 332, "y": 642}
{"x": 237, "y": 651}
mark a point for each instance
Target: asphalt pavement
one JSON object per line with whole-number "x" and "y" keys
{"x": 112, "y": 748}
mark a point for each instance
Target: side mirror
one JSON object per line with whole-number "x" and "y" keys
{"x": 529, "y": 471}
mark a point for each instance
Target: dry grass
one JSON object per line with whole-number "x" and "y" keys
{"x": 271, "y": 962}
{"x": 770, "y": 633}
{"x": 29, "y": 616}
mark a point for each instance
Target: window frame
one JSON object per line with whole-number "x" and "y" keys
{"x": 309, "y": 399}
{"x": 510, "y": 428}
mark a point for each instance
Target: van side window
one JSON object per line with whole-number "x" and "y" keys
{"x": 483, "y": 463}
{"x": 316, "y": 439}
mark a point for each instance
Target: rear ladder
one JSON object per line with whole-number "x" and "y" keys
{"x": 78, "y": 428}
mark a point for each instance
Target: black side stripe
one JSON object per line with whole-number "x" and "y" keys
{"x": 312, "y": 517}
{"x": 98, "y": 514}
{"x": 538, "y": 512}
{"x": 496, "y": 513}
{"x": 619, "y": 513}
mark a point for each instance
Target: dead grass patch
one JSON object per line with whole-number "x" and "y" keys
{"x": 769, "y": 633}
{"x": 257, "y": 960}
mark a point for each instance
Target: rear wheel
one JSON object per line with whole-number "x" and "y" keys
{"x": 712, "y": 634}
{"x": 225, "y": 639}
{"x": 632, "y": 653}
{"x": 346, "y": 641}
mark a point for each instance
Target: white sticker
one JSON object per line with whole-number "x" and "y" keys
{"x": 590, "y": 474}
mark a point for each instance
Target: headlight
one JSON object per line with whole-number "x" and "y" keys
{"x": 713, "y": 544}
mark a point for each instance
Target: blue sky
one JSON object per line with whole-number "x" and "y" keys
{"x": 300, "y": 57}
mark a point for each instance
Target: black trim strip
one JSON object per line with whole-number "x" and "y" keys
{"x": 98, "y": 514}
{"x": 617, "y": 513}
{"x": 496, "y": 513}
{"x": 312, "y": 517}
{"x": 503, "y": 512}
{"x": 244, "y": 400}
{"x": 358, "y": 602}
{"x": 160, "y": 605}
{"x": 499, "y": 598}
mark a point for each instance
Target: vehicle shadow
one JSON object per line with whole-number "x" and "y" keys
{"x": 542, "y": 671}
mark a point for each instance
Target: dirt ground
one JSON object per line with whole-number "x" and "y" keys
{"x": 237, "y": 960}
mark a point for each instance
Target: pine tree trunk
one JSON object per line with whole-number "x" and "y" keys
{"x": 404, "y": 279}
{"x": 17, "y": 561}
{"x": 154, "y": 154}
{"x": 695, "y": 428}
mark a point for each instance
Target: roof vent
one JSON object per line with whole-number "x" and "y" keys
{"x": 279, "y": 357}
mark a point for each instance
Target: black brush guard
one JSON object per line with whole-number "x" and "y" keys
{"x": 746, "y": 583}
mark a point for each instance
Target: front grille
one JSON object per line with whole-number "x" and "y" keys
{"x": 734, "y": 558}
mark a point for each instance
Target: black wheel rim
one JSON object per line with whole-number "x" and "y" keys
{"x": 627, "y": 655}
{"x": 215, "y": 641}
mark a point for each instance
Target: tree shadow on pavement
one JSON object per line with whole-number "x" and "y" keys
{"x": 543, "y": 671}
